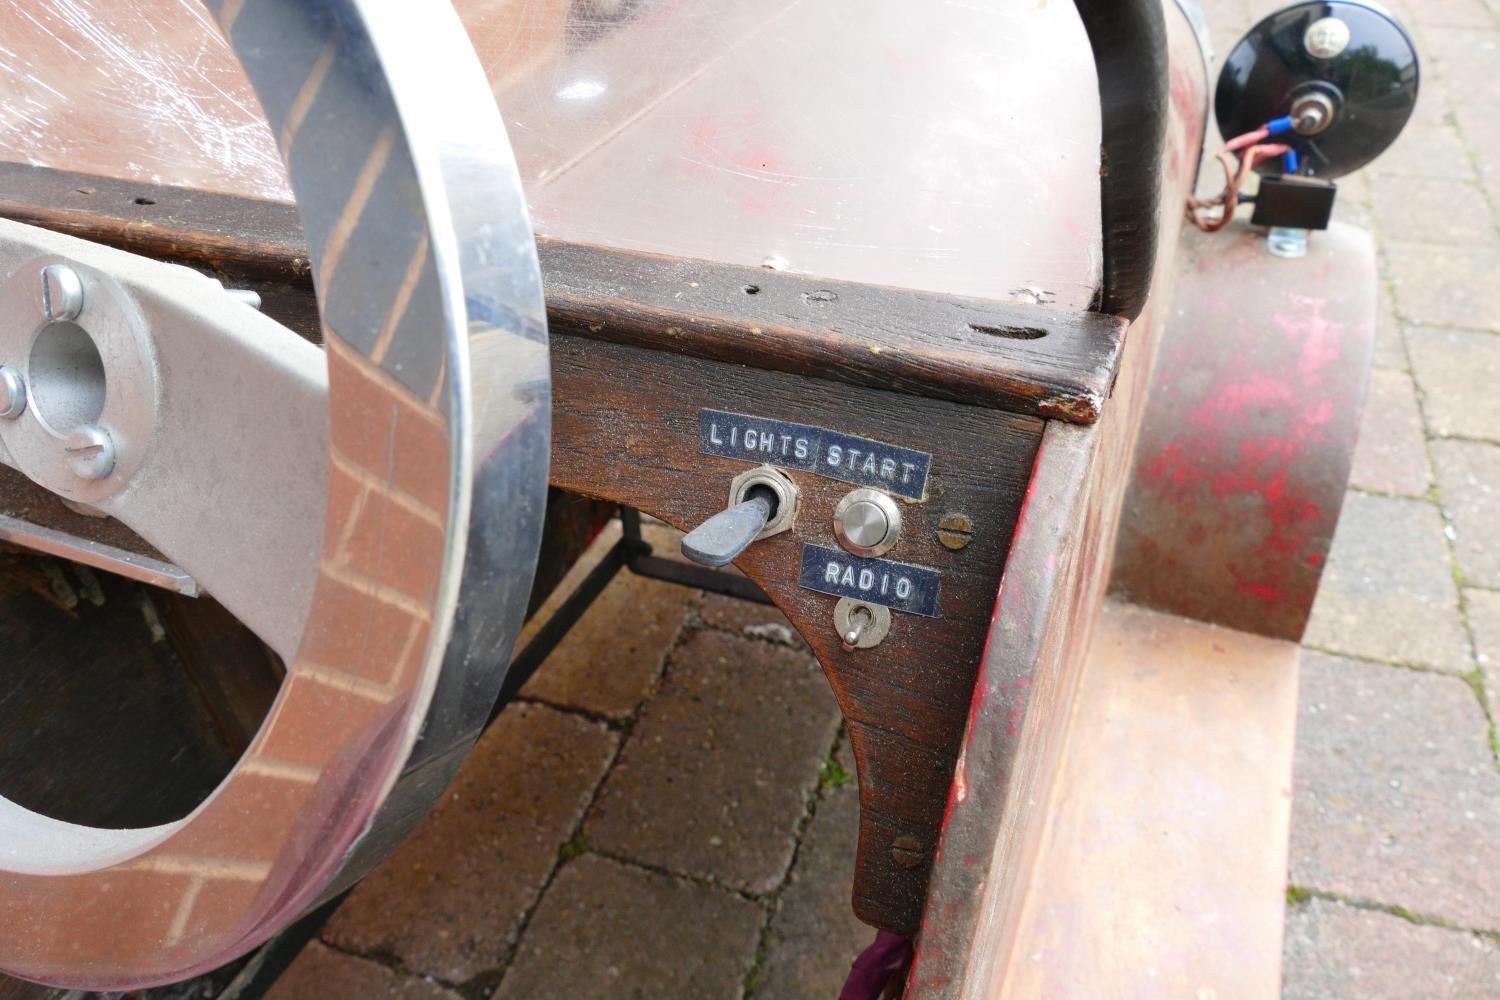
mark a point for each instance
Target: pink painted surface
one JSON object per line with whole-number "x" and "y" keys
{"x": 1246, "y": 449}
{"x": 1164, "y": 857}
{"x": 872, "y": 140}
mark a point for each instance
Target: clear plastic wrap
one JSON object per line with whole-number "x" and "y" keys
{"x": 948, "y": 145}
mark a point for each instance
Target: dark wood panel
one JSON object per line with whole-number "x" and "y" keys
{"x": 98, "y": 721}
{"x": 571, "y": 523}
{"x": 1013, "y": 357}
{"x": 629, "y": 433}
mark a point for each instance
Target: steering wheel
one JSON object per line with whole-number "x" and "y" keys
{"x": 373, "y": 511}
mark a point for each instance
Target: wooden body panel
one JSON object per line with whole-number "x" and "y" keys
{"x": 1049, "y": 602}
{"x": 640, "y": 345}
{"x": 1164, "y": 852}
{"x": 626, "y": 429}
{"x": 1246, "y": 450}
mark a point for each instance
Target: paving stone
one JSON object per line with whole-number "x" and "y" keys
{"x": 715, "y": 776}
{"x": 1484, "y": 619}
{"x": 759, "y": 621}
{"x": 1464, "y": 58}
{"x": 1445, "y": 285}
{"x": 1453, "y": 14}
{"x": 611, "y": 932}
{"x": 814, "y": 934}
{"x": 1337, "y": 952}
{"x": 1388, "y": 592}
{"x": 1457, "y": 371}
{"x": 1396, "y": 798}
{"x": 1390, "y": 349}
{"x": 1434, "y": 151}
{"x": 1353, "y": 202}
{"x": 1469, "y": 473}
{"x": 449, "y": 901}
{"x": 1479, "y": 127}
{"x": 320, "y": 973}
{"x": 1431, "y": 210}
{"x": 614, "y": 654}
{"x": 1392, "y": 452}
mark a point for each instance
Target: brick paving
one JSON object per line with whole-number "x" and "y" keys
{"x": 683, "y": 822}
{"x": 1395, "y": 861}
{"x": 685, "y": 830}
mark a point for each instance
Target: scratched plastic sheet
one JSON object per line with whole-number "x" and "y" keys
{"x": 947, "y": 145}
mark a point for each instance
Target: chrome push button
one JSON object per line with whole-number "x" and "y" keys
{"x": 867, "y": 522}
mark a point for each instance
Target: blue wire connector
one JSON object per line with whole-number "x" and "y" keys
{"x": 1289, "y": 162}
{"x": 1276, "y": 126}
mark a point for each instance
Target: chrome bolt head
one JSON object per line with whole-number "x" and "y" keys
{"x": 12, "y": 393}
{"x": 91, "y": 452}
{"x": 1326, "y": 38}
{"x": 61, "y": 293}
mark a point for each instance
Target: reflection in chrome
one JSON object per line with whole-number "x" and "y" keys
{"x": 437, "y": 435}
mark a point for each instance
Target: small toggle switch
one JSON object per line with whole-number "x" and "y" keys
{"x": 867, "y": 522}
{"x": 860, "y": 625}
{"x": 762, "y": 502}
{"x": 718, "y": 540}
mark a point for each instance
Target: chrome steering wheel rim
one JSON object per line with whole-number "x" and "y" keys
{"x": 439, "y": 399}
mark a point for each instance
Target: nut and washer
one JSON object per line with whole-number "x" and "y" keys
{"x": 867, "y": 522}
{"x": 61, "y": 293}
{"x": 1312, "y": 113}
{"x": 91, "y": 452}
{"x": 785, "y": 516}
{"x": 12, "y": 393}
{"x": 860, "y": 624}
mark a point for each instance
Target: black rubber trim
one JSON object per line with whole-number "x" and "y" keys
{"x": 1129, "y": 38}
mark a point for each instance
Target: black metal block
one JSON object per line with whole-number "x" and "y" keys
{"x": 1295, "y": 202}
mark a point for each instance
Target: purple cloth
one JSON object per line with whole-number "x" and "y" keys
{"x": 873, "y": 969}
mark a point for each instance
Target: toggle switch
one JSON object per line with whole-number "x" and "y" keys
{"x": 762, "y": 502}
{"x": 860, "y": 625}
{"x": 718, "y": 540}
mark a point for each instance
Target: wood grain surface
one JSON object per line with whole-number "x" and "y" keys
{"x": 988, "y": 353}
{"x": 629, "y": 433}
{"x": 641, "y": 344}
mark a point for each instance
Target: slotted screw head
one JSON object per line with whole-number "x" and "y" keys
{"x": 61, "y": 293}
{"x": 91, "y": 452}
{"x": 12, "y": 393}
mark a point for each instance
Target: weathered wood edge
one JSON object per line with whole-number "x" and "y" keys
{"x": 999, "y": 355}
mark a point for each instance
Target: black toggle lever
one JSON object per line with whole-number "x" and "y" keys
{"x": 717, "y": 541}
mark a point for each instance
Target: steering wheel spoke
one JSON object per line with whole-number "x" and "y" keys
{"x": 372, "y": 510}
{"x": 178, "y": 409}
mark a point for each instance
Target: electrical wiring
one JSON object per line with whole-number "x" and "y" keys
{"x": 1238, "y": 157}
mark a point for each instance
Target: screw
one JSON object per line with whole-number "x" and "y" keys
{"x": 12, "y": 394}
{"x": 62, "y": 292}
{"x": 955, "y": 531}
{"x": 907, "y": 853}
{"x": 91, "y": 452}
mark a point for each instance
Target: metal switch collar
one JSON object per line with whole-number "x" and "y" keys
{"x": 867, "y": 522}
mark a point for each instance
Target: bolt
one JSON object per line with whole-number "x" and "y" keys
{"x": 907, "y": 853}
{"x": 91, "y": 452}
{"x": 12, "y": 393}
{"x": 61, "y": 293}
{"x": 955, "y": 531}
{"x": 1326, "y": 38}
{"x": 1312, "y": 113}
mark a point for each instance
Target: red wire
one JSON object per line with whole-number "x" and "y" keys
{"x": 1248, "y": 139}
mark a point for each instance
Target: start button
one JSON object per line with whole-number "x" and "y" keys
{"x": 867, "y": 522}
